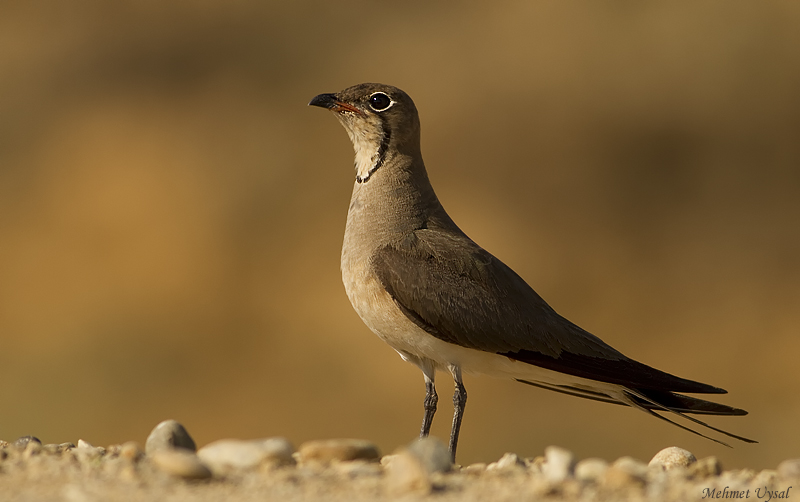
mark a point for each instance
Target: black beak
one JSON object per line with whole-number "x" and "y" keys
{"x": 323, "y": 101}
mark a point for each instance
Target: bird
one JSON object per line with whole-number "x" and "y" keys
{"x": 443, "y": 303}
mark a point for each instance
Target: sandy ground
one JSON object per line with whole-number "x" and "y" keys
{"x": 353, "y": 470}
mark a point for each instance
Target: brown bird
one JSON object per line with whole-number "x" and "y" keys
{"x": 444, "y": 303}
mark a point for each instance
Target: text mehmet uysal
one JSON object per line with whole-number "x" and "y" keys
{"x": 760, "y": 493}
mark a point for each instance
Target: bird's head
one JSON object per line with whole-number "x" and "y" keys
{"x": 381, "y": 121}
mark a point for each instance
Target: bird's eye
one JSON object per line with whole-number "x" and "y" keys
{"x": 380, "y": 102}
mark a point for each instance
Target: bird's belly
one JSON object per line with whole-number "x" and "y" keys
{"x": 377, "y": 309}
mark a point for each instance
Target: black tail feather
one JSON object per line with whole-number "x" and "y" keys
{"x": 699, "y": 402}
{"x": 651, "y": 401}
{"x": 686, "y": 404}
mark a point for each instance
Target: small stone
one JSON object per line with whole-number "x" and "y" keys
{"x": 22, "y": 443}
{"x": 405, "y": 473}
{"x": 634, "y": 466}
{"x": 535, "y": 464}
{"x": 326, "y": 451}
{"x": 432, "y": 453}
{"x": 130, "y": 451}
{"x": 228, "y": 455}
{"x": 625, "y": 472}
{"x": 32, "y": 448}
{"x": 789, "y": 469}
{"x": 705, "y": 468}
{"x": 767, "y": 477}
{"x": 387, "y": 459}
{"x": 169, "y": 435}
{"x": 746, "y": 475}
{"x": 508, "y": 462}
{"x": 86, "y": 452}
{"x": 672, "y": 457}
{"x": 559, "y": 464}
{"x": 358, "y": 469}
{"x": 475, "y": 469}
{"x": 181, "y": 463}
{"x": 591, "y": 470}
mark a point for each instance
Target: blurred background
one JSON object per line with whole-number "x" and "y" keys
{"x": 171, "y": 212}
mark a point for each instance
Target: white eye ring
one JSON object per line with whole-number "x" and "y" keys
{"x": 378, "y": 101}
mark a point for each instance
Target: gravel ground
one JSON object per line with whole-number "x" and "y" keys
{"x": 169, "y": 469}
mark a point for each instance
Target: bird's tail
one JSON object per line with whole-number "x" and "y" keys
{"x": 651, "y": 401}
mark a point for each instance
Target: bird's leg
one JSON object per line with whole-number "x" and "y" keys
{"x": 431, "y": 400}
{"x": 459, "y": 403}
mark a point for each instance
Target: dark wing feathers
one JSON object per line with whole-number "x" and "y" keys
{"x": 625, "y": 372}
{"x": 458, "y": 292}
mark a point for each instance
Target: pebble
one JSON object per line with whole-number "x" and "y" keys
{"x": 476, "y": 469}
{"x": 227, "y": 455}
{"x": 625, "y": 472}
{"x": 86, "y": 452}
{"x": 32, "y": 448}
{"x": 131, "y": 451}
{"x": 168, "y": 435}
{"x": 410, "y": 470}
{"x": 767, "y": 477}
{"x": 591, "y": 470}
{"x": 508, "y": 462}
{"x": 387, "y": 459}
{"x": 58, "y": 448}
{"x": 326, "y": 451}
{"x": 705, "y": 468}
{"x": 358, "y": 468}
{"x": 181, "y": 463}
{"x": 535, "y": 464}
{"x": 405, "y": 473}
{"x": 559, "y": 464}
{"x": 672, "y": 457}
{"x": 433, "y": 454}
{"x": 789, "y": 469}
{"x": 416, "y": 471}
{"x": 22, "y": 443}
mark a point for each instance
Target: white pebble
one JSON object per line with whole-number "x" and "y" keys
{"x": 228, "y": 455}
{"x": 559, "y": 464}
{"x": 789, "y": 469}
{"x": 624, "y": 472}
{"x": 509, "y": 461}
{"x": 325, "y": 451}
{"x": 86, "y": 452}
{"x": 405, "y": 473}
{"x": 591, "y": 469}
{"x": 181, "y": 463}
{"x": 672, "y": 457}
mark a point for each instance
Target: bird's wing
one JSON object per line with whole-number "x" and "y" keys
{"x": 458, "y": 292}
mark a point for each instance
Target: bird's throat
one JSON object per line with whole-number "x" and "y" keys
{"x": 370, "y": 146}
